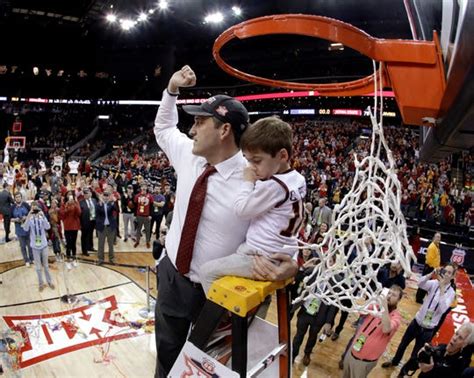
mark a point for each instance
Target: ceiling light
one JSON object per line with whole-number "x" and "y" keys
{"x": 214, "y": 18}
{"x": 142, "y": 17}
{"x": 35, "y": 71}
{"x": 163, "y": 4}
{"x": 237, "y": 11}
{"x": 111, "y": 17}
{"x": 127, "y": 24}
{"x": 151, "y": 11}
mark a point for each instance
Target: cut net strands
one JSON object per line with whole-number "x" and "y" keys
{"x": 368, "y": 228}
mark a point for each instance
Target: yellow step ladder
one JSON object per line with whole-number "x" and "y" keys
{"x": 242, "y": 296}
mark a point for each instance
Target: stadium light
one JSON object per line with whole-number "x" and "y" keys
{"x": 127, "y": 24}
{"x": 237, "y": 11}
{"x": 142, "y": 17}
{"x": 111, "y": 18}
{"x": 214, "y": 18}
{"x": 163, "y": 4}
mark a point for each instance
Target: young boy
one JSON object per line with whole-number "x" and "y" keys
{"x": 271, "y": 197}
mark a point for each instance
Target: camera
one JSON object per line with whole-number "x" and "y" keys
{"x": 442, "y": 272}
{"x": 425, "y": 354}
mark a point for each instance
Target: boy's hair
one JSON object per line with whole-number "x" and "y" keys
{"x": 268, "y": 135}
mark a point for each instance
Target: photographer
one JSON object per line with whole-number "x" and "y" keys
{"x": 444, "y": 360}
{"x": 37, "y": 224}
{"x": 18, "y": 212}
{"x": 440, "y": 296}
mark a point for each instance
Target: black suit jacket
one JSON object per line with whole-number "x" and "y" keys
{"x": 100, "y": 216}
{"x": 6, "y": 202}
{"x": 85, "y": 212}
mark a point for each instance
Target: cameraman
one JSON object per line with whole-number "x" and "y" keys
{"x": 444, "y": 361}
{"x": 37, "y": 224}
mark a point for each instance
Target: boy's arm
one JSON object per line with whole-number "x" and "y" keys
{"x": 254, "y": 200}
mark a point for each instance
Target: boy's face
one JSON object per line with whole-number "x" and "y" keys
{"x": 265, "y": 165}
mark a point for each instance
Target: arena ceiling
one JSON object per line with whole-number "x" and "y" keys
{"x": 73, "y": 35}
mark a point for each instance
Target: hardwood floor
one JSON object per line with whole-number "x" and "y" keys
{"x": 325, "y": 356}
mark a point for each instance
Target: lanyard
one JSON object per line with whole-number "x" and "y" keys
{"x": 373, "y": 329}
{"x": 37, "y": 228}
{"x": 432, "y": 298}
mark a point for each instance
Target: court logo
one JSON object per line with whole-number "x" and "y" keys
{"x": 49, "y": 335}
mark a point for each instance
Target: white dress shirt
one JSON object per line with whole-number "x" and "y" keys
{"x": 435, "y": 301}
{"x": 220, "y": 231}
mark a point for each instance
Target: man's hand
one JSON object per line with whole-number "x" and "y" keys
{"x": 265, "y": 270}
{"x": 185, "y": 77}
{"x": 250, "y": 173}
{"x": 427, "y": 367}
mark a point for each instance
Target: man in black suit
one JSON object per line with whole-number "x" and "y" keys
{"x": 6, "y": 202}
{"x": 106, "y": 224}
{"x": 88, "y": 215}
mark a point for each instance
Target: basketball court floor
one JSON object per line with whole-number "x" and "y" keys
{"x": 101, "y": 332}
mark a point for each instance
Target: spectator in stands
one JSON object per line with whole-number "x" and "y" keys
{"x": 19, "y": 212}
{"x": 440, "y": 296}
{"x": 322, "y": 214}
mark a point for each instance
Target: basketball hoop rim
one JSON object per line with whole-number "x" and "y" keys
{"x": 400, "y": 51}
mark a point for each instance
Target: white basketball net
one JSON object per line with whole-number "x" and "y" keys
{"x": 371, "y": 210}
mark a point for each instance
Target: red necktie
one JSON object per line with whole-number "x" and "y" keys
{"x": 191, "y": 222}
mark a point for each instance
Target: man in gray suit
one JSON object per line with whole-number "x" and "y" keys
{"x": 321, "y": 214}
{"x": 6, "y": 202}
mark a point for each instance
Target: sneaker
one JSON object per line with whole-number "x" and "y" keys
{"x": 41, "y": 288}
{"x": 74, "y": 263}
{"x": 334, "y": 336}
{"x": 28, "y": 264}
{"x": 148, "y": 245}
{"x": 85, "y": 253}
{"x": 306, "y": 360}
{"x": 100, "y": 263}
{"x": 51, "y": 286}
{"x": 136, "y": 244}
{"x": 68, "y": 265}
{"x": 125, "y": 239}
{"x": 388, "y": 364}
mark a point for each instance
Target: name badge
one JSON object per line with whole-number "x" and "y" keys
{"x": 142, "y": 209}
{"x": 38, "y": 241}
{"x": 313, "y": 306}
{"x": 428, "y": 318}
{"x": 359, "y": 344}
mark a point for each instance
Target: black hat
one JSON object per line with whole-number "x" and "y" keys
{"x": 225, "y": 108}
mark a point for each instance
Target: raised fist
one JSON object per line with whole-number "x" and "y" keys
{"x": 185, "y": 77}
